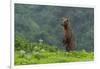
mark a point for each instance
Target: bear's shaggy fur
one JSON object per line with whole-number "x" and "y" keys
{"x": 69, "y": 40}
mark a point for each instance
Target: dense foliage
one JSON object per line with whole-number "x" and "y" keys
{"x": 41, "y": 53}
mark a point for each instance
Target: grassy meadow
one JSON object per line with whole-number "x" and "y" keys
{"x": 42, "y": 53}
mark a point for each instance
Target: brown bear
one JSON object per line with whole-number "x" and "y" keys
{"x": 69, "y": 39}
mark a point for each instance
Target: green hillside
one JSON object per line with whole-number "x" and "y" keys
{"x": 35, "y": 22}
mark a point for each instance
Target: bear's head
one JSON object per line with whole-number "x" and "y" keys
{"x": 65, "y": 21}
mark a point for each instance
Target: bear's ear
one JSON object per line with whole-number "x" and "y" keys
{"x": 66, "y": 18}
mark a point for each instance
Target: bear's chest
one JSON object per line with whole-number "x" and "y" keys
{"x": 67, "y": 32}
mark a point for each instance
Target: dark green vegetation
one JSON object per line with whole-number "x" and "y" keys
{"x": 35, "y": 22}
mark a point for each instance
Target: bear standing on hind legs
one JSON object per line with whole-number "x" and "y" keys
{"x": 69, "y": 40}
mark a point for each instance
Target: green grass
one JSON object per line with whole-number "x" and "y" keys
{"x": 42, "y": 53}
{"x": 52, "y": 57}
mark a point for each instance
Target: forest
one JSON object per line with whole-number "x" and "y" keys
{"x": 39, "y": 34}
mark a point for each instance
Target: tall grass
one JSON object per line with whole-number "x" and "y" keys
{"x": 36, "y": 53}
